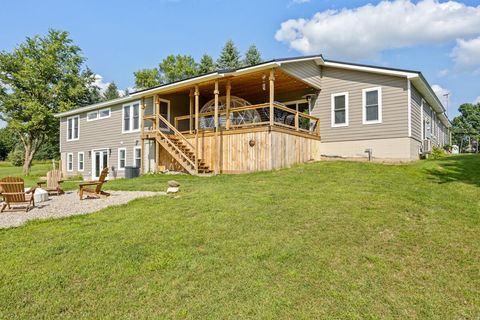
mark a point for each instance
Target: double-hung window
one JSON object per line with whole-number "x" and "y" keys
{"x": 131, "y": 117}
{"x": 73, "y": 128}
{"x": 372, "y": 105}
{"x": 81, "y": 161}
{"x": 122, "y": 158}
{"x": 340, "y": 109}
{"x": 137, "y": 156}
{"x": 69, "y": 161}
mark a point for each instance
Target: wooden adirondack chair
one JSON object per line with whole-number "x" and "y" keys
{"x": 13, "y": 192}
{"x": 54, "y": 179}
{"x": 87, "y": 189}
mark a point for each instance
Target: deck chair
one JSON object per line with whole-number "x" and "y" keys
{"x": 54, "y": 179}
{"x": 94, "y": 188}
{"x": 13, "y": 192}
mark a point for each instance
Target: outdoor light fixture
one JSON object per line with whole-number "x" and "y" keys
{"x": 264, "y": 78}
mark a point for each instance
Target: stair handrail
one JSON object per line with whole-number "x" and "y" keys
{"x": 178, "y": 133}
{"x": 176, "y": 148}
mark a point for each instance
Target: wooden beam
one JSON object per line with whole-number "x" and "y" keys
{"x": 197, "y": 103}
{"x": 227, "y": 107}
{"x": 272, "y": 94}
{"x": 157, "y": 125}
{"x": 215, "y": 153}
{"x": 190, "y": 122}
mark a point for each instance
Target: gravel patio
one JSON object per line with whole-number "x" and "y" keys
{"x": 69, "y": 204}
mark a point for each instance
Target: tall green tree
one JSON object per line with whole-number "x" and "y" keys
{"x": 146, "y": 78}
{"x": 252, "y": 56}
{"x": 111, "y": 92}
{"x": 8, "y": 141}
{"x": 466, "y": 126}
{"x": 40, "y": 77}
{"x": 177, "y": 67}
{"x": 206, "y": 64}
{"x": 229, "y": 57}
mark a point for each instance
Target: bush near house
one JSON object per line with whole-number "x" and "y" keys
{"x": 331, "y": 240}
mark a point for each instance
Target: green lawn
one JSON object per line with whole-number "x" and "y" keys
{"x": 332, "y": 240}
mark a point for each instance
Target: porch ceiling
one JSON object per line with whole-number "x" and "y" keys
{"x": 250, "y": 86}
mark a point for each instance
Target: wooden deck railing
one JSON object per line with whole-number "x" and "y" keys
{"x": 256, "y": 115}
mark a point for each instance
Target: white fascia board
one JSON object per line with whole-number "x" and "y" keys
{"x": 370, "y": 69}
{"x": 92, "y": 107}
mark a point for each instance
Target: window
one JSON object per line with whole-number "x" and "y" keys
{"x": 104, "y": 113}
{"x": 137, "y": 156}
{"x": 69, "y": 161}
{"x": 101, "y": 114}
{"x": 81, "y": 161}
{"x": 73, "y": 130}
{"x": 372, "y": 105}
{"x": 340, "y": 109}
{"x": 131, "y": 117}
{"x": 92, "y": 116}
{"x": 122, "y": 158}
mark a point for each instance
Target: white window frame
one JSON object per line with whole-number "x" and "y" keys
{"x": 332, "y": 102}
{"x": 68, "y": 162}
{"x": 68, "y": 128}
{"x": 83, "y": 161}
{"x": 96, "y": 117}
{"x": 130, "y": 105}
{"x": 104, "y": 117}
{"x": 119, "y": 150}
{"x": 135, "y": 148}
{"x": 98, "y": 114}
{"x": 364, "y": 105}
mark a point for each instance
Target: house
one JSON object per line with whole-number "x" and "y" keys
{"x": 267, "y": 116}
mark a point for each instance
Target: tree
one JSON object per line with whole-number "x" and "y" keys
{"x": 206, "y": 64}
{"x": 40, "y": 77}
{"x": 111, "y": 92}
{"x": 126, "y": 92}
{"x": 146, "y": 78}
{"x": 466, "y": 126}
{"x": 229, "y": 57}
{"x": 252, "y": 56}
{"x": 177, "y": 67}
{"x": 8, "y": 141}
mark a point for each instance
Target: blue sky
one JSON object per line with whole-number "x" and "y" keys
{"x": 440, "y": 39}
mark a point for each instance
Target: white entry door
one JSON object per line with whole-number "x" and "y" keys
{"x": 99, "y": 161}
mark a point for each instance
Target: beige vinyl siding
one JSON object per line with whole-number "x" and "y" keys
{"x": 99, "y": 134}
{"x": 416, "y": 114}
{"x": 307, "y": 71}
{"x": 394, "y": 105}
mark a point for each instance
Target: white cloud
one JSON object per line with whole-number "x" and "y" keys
{"x": 466, "y": 55}
{"x": 442, "y": 73}
{"x": 478, "y": 100}
{"x": 440, "y": 92}
{"x": 365, "y": 31}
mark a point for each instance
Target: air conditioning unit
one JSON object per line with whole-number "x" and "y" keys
{"x": 427, "y": 146}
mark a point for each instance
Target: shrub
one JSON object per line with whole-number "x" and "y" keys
{"x": 16, "y": 157}
{"x": 447, "y": 147}
{"x": 437, "y": 153}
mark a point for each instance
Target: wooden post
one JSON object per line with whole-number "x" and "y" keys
{"x": 296, "y": 120}
{"x": 215, "y": 153}
{"x": 272, "y": 94}
{"x": 142, "y": 127}
{"x": 197, "y": 103}
{"x": 227, "y": 107}
{"x": 190, "y": 122}
{"x": 157, "y": 125}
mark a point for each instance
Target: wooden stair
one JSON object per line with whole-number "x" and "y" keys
{"x": 182, "y": 153}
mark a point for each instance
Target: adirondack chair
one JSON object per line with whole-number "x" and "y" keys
{"x": 13, "y": 192}
{"x": 54, "y": 179}
{"x": 94, "y": 188}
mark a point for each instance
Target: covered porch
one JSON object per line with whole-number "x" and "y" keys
{"x": 250, "y": 121}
